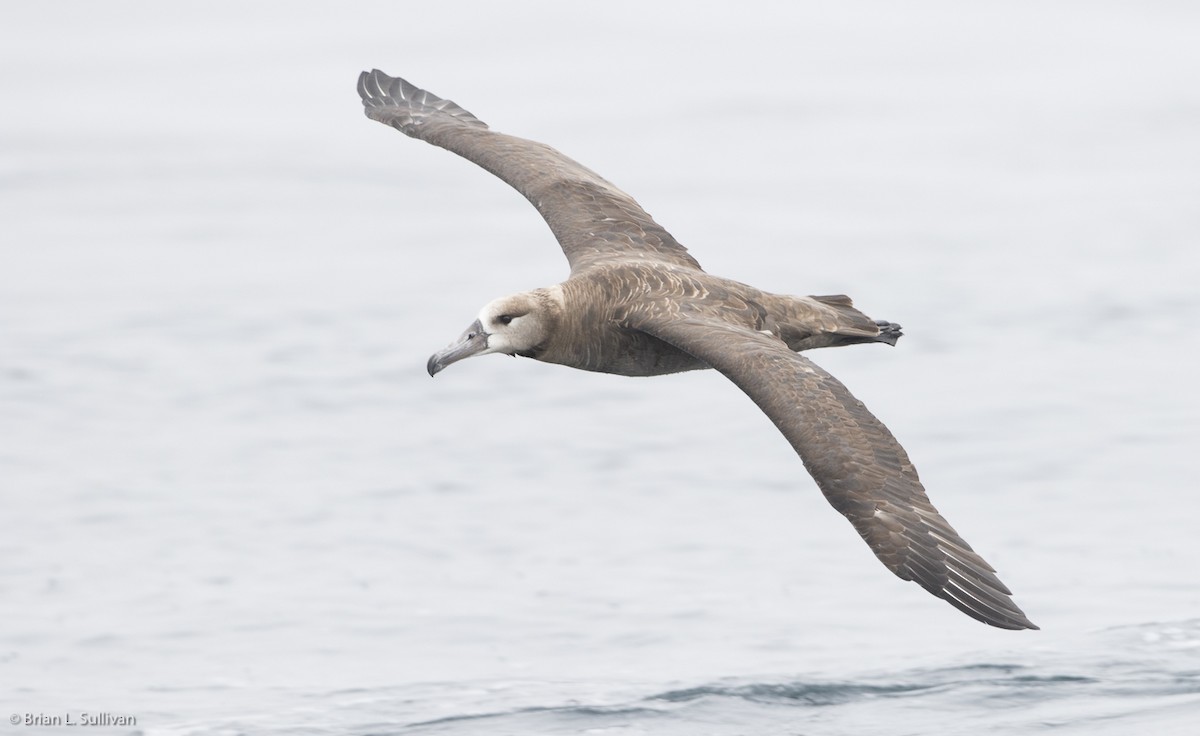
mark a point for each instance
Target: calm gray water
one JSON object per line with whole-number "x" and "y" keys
{"x": 233, "y": 501}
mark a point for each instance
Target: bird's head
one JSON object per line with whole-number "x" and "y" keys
{"x": 519, "y": 324}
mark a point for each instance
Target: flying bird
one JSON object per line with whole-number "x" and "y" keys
{"x": 636, "y": 303}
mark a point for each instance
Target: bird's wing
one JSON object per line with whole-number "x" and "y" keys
{"x": 857, "y": 463}
{"x": 592, "y": 219}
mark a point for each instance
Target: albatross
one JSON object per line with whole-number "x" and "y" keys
{"x": 636, "y": 303}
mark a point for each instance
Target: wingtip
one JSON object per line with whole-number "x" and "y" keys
{"x": 369, "y": 88}
{"x": 1016, "y": 621}
{"x": 1023, "y": 625}
{"x": 1022, "y": 620}
{"x": 1002, "y": 615}
{"x": 362, "y": 87}
{"x": 397, "y": 102}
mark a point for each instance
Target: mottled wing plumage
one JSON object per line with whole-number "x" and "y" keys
{"x": 593, "y": 220}
{"x": 857, "y": 463}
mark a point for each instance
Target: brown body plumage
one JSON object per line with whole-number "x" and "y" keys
{"x": 637, "y": 304}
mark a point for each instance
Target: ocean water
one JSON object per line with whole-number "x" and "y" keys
{"x": 234, "y": 503}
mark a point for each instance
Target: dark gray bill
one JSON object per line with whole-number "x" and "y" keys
{"x": 472, "y": 342}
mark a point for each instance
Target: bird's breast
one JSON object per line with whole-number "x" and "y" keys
{"x": 622, "y": 352}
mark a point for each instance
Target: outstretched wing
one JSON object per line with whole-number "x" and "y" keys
{"x": 858, "y": 464}
{"x": 592, "y": 219}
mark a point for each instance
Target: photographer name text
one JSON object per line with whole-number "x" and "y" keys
{"x": 71, "y": 719}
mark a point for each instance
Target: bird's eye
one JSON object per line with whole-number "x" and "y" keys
{"x": 504, "y": 319}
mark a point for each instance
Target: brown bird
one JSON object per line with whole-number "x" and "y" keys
{"x": 637, "y": 304}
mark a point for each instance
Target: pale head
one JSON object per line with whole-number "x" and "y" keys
{"x": 519, "y": 324}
